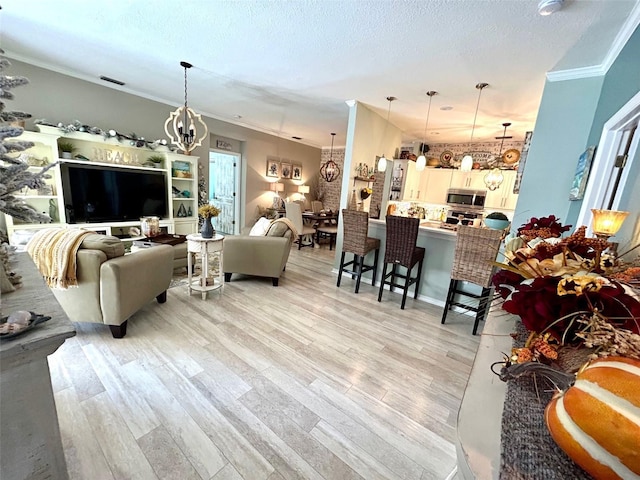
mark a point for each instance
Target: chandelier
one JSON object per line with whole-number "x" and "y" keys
{"x": 421, "y": 162}
{"x": 330, "y": 170}
{"x": 180, "y": 127}
{"x": 467, "y": 161}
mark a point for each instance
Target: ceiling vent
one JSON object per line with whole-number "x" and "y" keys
{"x": 111, "y": 80}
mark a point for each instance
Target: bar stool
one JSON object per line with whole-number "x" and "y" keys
{"x": 401, "y": 250}
{"x": 355, "y": 240}
{"x": 476, "y": 250}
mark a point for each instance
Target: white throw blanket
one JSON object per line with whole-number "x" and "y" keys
{"x": 53, "y": 250}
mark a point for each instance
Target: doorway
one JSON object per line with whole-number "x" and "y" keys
{"x": 223, "y": 185}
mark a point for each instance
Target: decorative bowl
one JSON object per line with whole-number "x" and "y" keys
{"x": 496, "y": 224}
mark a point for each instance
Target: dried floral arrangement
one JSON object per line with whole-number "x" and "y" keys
{"x": 208, "y": 211}
{"x": 569, "y": 291}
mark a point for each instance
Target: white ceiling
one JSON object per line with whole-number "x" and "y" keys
{"x": 287, "y": 67}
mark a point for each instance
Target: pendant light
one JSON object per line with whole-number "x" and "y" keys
{"x": 180, "y": 127}
{"x": 421, "y": 162}
{"x": 382, "y": 162}
{"x": 330, "y": 170}
{"x": 494, "y": 178}
{"x": 467, "y": 161}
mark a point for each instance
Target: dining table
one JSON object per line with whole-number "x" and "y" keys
{"x": 315, "y": 219}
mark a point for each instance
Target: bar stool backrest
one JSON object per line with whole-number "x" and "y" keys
{"x": 402, "y": 236}
{"x": 476, "y": 249}
{"x": 355, "y": 227}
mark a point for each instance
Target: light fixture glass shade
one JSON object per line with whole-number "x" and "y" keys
{"x": 382, "y": 164}
{"x": 303, "y": 189}
{"x": 606, "y": 223}
{"x": 277, "y": 187}
{"x": 493, "y": 179}
{"x": 421, "y": 163}
{"x": 467, "y": 163}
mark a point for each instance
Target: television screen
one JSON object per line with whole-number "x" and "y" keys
{"x": 102, "y": 194}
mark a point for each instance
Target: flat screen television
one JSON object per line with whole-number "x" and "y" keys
{"x": 95, "y": 194}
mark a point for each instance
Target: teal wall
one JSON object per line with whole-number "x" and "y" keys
{"x": 571, "y": 117}
{"x": 561, "y": 134}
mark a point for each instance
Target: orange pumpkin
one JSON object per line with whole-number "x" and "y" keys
{"x": 597, "y": 420}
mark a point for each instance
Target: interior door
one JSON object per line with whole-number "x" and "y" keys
{"x": 223, "y": 185}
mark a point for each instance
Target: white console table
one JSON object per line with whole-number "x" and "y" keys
{"x": 30, "y": 443}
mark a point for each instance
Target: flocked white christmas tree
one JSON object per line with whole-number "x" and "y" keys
{"x": 14, "y": 173}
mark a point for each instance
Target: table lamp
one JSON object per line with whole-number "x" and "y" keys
{"x": 303, "y": 189}
{"x": 276, "y": 187}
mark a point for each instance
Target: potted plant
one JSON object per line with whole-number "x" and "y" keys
{"x": 66, "y": 149}
{"x": 497, "y": 221}
{"x": 156, "y": 160}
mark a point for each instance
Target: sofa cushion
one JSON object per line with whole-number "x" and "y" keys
{"x": 277, "y": 229}
{"x": 260, "y": 228}
{"x": 111, "y": 246}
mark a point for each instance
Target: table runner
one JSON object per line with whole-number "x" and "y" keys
{"x": 527, "y": 450}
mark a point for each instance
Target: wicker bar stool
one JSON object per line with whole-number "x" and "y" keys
{"x": 401, "y": 250}
{"x": 356, "y": 241}
{"x": 476, "y": 249}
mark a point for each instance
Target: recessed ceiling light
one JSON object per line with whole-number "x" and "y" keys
{"x": 547, "y": 7}
{"x": 446, "y": 107}
{"x": 111, "y": 80}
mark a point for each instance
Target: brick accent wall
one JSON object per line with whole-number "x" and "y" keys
{"x": 330, "y": 192}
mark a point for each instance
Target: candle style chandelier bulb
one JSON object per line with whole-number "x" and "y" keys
{"x": 174, "y": 126}
{"x": 382, "y": 162}
{"x": 421, "y": 162}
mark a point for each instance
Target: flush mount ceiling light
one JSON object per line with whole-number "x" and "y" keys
{"x": 547, "y": 7}
{"x": 467, "y": 161}
{"x": 180, "y": 127}
{"x": 382, "y": 162}
{"x": 330, "y": 170}
{"x": 421, "y": 162}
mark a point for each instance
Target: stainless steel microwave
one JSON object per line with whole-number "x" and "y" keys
{"x": 466, "y": 198}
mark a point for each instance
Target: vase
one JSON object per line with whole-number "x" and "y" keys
{"x": 207, "y": 230}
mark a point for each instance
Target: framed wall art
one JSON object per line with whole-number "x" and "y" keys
{"x": 581, "y": 176}
{"x": 286, "y": 170}
{"x": 296, "y": 174}
{"x": 273, "y": 168}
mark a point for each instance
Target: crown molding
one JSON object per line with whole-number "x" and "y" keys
{"x": 618, "y": 44}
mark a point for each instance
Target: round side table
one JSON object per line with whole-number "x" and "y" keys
{"x": 207, "y": 248}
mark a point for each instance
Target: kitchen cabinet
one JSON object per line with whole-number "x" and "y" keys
{"x": 412, "y": 183}
{"x": 437, "y": 182}
{"x": 503, "y": 197}
{"x": 473, "y": 179}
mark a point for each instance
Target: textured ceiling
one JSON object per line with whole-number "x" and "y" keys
{"x": 287, "y": 67}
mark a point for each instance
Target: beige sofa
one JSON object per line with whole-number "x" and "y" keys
{"x": 113, "y": 286}
{"x": 262, "y": 256}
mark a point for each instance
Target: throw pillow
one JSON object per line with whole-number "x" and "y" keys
{"x": 111, "y": 246}
{"x": 277, "y": 229}
{"x": 260, "y": 228}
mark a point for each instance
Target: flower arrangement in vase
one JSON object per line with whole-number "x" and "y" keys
{"x": 207, "y": 212}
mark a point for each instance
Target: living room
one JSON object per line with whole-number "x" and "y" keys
{"x": 301, "y": 381}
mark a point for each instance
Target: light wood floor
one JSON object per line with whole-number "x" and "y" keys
{"x": 304, "y": 380}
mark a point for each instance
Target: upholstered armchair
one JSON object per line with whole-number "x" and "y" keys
{"x": 113, "y": 286}
{"x": 263, "y": 255}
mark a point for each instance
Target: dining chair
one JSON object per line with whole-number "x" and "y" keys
{"x": 294, "y": 214}
{"x": 316, "y": 206}
{"x": 328, "y": 229}
{"x": 475, "y": 251}
{"x": 401, "y": 250}
{"x": 355, "y": 226}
